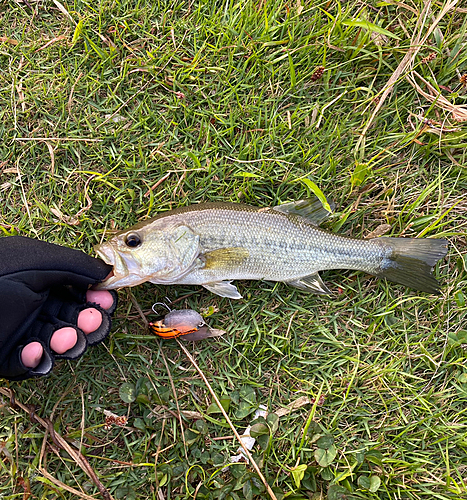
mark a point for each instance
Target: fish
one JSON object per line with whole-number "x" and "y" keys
{"x": 185, "y": 324}
{"x": 212, "y": 244}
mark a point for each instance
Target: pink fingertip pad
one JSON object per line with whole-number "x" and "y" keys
{"x": 89, "y": 320}
{"x": 31, "y": 354}
{"x": 101, "y": 297}
{"x": 64, "y": 339}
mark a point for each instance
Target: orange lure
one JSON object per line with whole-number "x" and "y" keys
{"x": 186, "y": 324}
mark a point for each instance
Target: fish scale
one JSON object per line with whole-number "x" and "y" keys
{"x": 211, "y": 244}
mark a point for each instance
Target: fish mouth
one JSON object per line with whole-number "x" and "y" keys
{"x": 119, "y": 272}
{"x": 105, "y": 253}
{"x": 126, "y": 270}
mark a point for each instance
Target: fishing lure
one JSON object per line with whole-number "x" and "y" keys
{"x": 185, "y": 324}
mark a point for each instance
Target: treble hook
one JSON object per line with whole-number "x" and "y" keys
{"x": 160, "y": 304}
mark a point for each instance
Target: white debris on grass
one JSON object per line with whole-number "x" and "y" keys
{"x": 246, "y": 439}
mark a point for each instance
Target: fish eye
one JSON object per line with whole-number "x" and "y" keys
{"x": 132, "y": 240}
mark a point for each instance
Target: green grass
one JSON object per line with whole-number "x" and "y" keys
{"x": 222, "y": 96}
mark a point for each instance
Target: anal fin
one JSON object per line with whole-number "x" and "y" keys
{"x": 312, "y": 283}
{"x": 224, "y": 289}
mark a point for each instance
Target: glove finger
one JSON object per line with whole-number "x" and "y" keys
{"x": 57, "y": 309}
{"x": 13, "y": 367}
{"x": 110, "y": 310}
{"x": 81, "y": 295}
{"x": 100, "y": 333}
{"x": 44, "y": 328}
{"x": 43, "y": 264}
{"x": 42, "y": 331}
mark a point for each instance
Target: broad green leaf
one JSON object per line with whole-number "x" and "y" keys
{"x": 375, "y": 483}
{"x": 143, "y": 399}
{"x": 273, "y": 421}
{"x": 205, "y": 456}
{"x": 370, "y": 483}
{"x": 360, "y": 173}
{"x": 127, "y": 392}
{"x": 327, "y": 474}
{"x": 370, "y": 27}
{"x": 314, "y": 431}
{"x": 325, "y": 442}
{"x": 248, "y": 393}
{"x": 213, "y": 408}
{"x": 201, "y": 426}
{"x": 309, "y": 480}
{"x": 298, "y": 473}
{"x": 456, "y": 338}
{"x": 217, "y": 459}
{"x": 374, "y": 456}
{"x": 237, "y": 470}
{"x": 248, "y": 491}
{"x": 126, "y": 492}
{"x": 316, "y": 191}
{"x": 191, "y": 436}
{"x": 244, "y": 409}
{"x": 225, "y": 402}
{"x": 460, "y": 298}
{"x": 336, "y": 492}
{"x": 139, "y": 424}
{"x": 390, "y": 319}
{"x": 279, "y": 493}
{"x": 360, "y": 457}
{"x": 263, "y": 441}
{"x": 364, "y": 482}
{"x": 324, "y": 457}
{"x": 258, "y": 430}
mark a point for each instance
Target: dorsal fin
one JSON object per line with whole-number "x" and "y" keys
{"x": 310, "y": 208}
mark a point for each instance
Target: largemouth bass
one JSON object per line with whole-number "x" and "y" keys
{"x": 211, "y": 244}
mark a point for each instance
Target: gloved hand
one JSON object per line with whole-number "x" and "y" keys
{"x": 46, "y": 309}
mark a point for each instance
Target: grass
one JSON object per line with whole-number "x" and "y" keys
{"x": 99, "y": 105}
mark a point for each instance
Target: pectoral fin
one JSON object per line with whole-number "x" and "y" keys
{"x": 224, "y": 289}
{"x": 312, "y": 283}
{"x": 311, "y": 209}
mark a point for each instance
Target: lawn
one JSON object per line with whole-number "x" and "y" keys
{"x": 113, "y": 111}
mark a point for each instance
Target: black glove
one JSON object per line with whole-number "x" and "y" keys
{"x": 43, "y": 288}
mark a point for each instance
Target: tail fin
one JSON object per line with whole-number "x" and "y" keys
{"x": 412, "y": 260}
